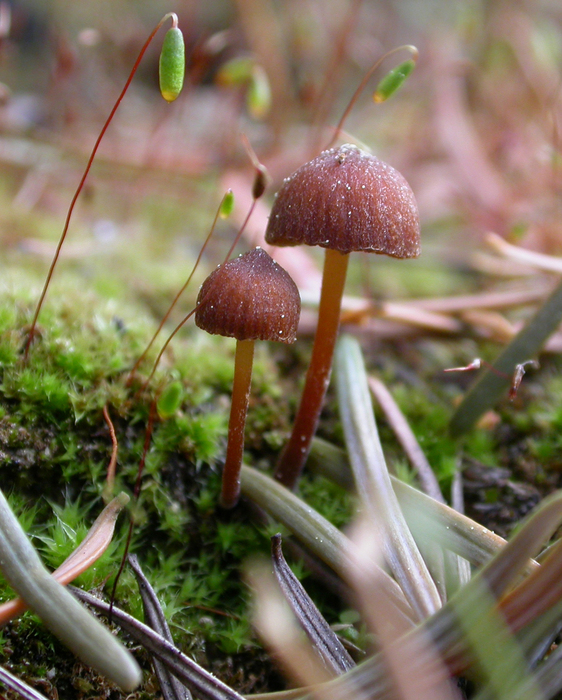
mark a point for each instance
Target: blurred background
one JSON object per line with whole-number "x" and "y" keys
{"x": 475, "y": 130}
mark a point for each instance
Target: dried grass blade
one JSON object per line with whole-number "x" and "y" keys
{"x": 485, "y": 300}
{"x": 97, "y": 540}
{"x": 406, "y": 438}
{"x": 373, "y": 481}
{"x": 18, "y": 686}
{"x": 436, "y": 682}
{"x": 203, "y": 684}
{"x": 170, "y": 686}
{"x": 523, "y": 255}
{"x": 537, "y": 593}
{"x": 278, "y": 627}
{"x": 503, "y": 569}
{"x": 322, "y": 637}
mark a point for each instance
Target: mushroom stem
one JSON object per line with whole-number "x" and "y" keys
{"x": 296, "y": 451}
{"x": 243, "y": 362}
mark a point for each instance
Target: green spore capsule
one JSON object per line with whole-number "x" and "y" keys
{"x": 227, "y": 205}
{"x": 393, "y": 80}
{"x": 170, "y": 400}
{"x": 237, "y": 71}
{"x": 172, "y": 64}
{"x": 258, "y": 96}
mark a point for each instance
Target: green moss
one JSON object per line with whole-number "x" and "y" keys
{"x": 55, "y": 448}
{"x": 428, "y": 417}
{"x": 330, "y": 500}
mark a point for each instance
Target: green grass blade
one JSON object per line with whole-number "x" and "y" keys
{"x": 424, "y": 515}
{"x": 85, "y": 636}
{"x": 497, "y": 654}
{"x": 314, "y": 531}
{"x": 525, "y": 346}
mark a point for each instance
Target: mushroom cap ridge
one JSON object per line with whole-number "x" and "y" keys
{"x": 249, "y": 298}
{"x": 347, "y": 200}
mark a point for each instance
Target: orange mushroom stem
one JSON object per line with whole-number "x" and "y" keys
{"x": 243, "y": 363}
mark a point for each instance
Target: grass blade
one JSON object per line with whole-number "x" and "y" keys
{"x": 203, "y": 684}
{"x": 407, "y": 439}
{"x": 396, "y": 649}
{"x": 280, "y": 631}
{"x": 18, "y": 686}
{"x": 61, "y": 613}
{"x": 449, "y": 571}
{"x": 319, "y": 535}
{"x": 525, "y": 346}
{"x": 425, "y": 516}
{"x": 319, "y": 632}
{"x": 170, "y": 686}
{"x": 373, "y": 480}
{"x": 497, "y": 654}
{"x": 91, "y": 548}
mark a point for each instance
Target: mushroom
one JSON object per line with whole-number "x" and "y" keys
{"x": 249, "y": 298}
{"x": 343, "y": 200}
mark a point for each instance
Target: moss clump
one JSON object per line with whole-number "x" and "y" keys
{"x": 54, "y": 452}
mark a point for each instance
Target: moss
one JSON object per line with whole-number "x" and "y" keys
{"x": 428, "y": 417}
{"x": 55, "y": 448}
{"x": 54, "y": 444}
{"x": 330, "y": 500}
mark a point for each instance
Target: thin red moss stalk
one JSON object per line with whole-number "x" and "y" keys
{"x": 110, "y": 479}
{"x": 363, "y": 84}
{"x": 333, "y": 74}
{"x": 31, "y": 335}
{"x": 163, "y": 349}
{"x": 136, "y": 493}
{"x": 260, "y": 183}
{"x": 178, "y": 295}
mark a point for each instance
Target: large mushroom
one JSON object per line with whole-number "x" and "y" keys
{"x": 343, "y": 200}
{"x": 249, "y": 298}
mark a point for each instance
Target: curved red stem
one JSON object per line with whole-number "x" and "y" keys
{"x": 83, "y": 180}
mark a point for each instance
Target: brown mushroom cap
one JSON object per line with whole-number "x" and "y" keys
{"x": 347, "y": 200}
{"x": 250, "y": 298}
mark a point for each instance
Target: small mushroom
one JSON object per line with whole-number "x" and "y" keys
{"x": 343, "y": 200}
{"x": 249, "y": 298}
